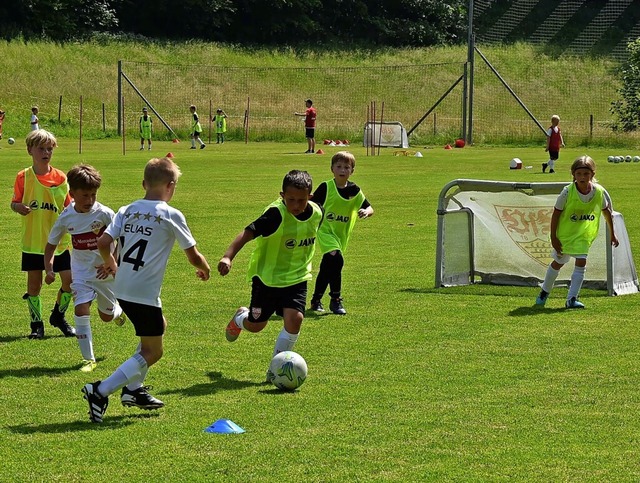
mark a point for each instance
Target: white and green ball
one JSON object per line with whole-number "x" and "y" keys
{"x": 289, "y": 370}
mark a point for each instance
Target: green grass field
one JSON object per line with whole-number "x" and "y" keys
{"x": 414, "y": 384}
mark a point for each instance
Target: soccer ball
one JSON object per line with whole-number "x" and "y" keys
{"x": 289, "y": 370}
{"x": 636, "y": 159}
{"x": 11, "y": 140}
{"x": 627, "y": 159}
{"x": 611, "y": 159}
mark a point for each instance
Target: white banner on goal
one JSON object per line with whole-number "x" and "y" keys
{"x": 497, "y": 232}
{"x": 385, "y": 134}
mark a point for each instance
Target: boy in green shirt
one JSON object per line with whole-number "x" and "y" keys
{"x": 343, "y": 203}
{"x": 280, "y": 265}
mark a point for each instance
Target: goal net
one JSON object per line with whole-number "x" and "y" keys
{"x": 496, "y": 232}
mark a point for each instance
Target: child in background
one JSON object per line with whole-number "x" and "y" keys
{"x": 309, "y": 115}
{"x": 574, "y": 227}
{"x": 146, "y": 231}
{"x": 85, "y": 219}
{"x": 196, "y": 128}
{"x": 146, "y": 124}
{"x": 342, "y": 201}
{"x": 220, "y": 122}
{"x": 1, "y": 121}
{"x": 34, "y": 118}
{"x": 554, "y": 142}
{"x": 280, "y": 264}
{"x": 40, "y": 193}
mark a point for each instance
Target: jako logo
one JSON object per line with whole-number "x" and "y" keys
{"x": 34, "y": 205}
{"x": 333, "y": 217}
{"x": 305, "y": 242}
{"x": 589, "y": 217}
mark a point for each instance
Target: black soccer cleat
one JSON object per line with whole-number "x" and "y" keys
{"x": 37, "y": 330}
{"x": 97, "y": 403}
{"x": 140, "y": 398}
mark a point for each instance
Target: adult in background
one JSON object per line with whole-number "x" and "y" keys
{"x": 309, "y": 125}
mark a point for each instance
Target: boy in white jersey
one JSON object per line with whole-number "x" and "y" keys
{"x": 343, "y": 203}
{"x": 280, "y": 265}
{"x": 146, "y": 231}
{"x": 85, "y": 219}
{"x": 574, "y": 227}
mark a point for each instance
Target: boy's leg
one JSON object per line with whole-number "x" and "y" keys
{"x": 335, "y": 280}
{"x": 34, "y": 303}
{"x": 193, "y": 141}
{"x": 85, "y": 341}
{"x": 322, "y": 282}
{"x": 141, "y": 144}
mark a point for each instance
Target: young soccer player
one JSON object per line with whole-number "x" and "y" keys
{"x": 85, "y": 219}
{"x": 40, "y": 193}
{"x": 196, "y": 128}
{"x": 220, "y": 122}
{"x": 574, "y": 227}
{"x": 146, "y": 229}
{"x": 554, "y": 142}
{"x": 146, "y": 125}
{"x": 34, "y": 118}
{"x": 343, "y": 203}
{"x": 280, "y": 264}
{"x": 2, "y": 114}
{"x": 309, "y": 115}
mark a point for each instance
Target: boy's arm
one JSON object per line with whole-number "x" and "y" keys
{"x": 555, "y": 242}
{"x": 197, "y": 260}
{"x": 607, "y": 216}
{"x": 49, "y": 251}
{"x": 110, "y": 265}
{"x": 244, "y": 237}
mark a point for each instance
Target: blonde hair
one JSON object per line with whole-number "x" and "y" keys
{"x": 161, "y": 171}
{"x": 554, "y": 117}
{"x": 344, "y": 156}
{"x": 40, "y": 137}
{"x": 585, "y": 161}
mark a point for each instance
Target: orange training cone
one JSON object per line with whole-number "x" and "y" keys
{"x": 319, "y": 151}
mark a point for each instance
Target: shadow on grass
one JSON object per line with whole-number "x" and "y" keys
{"x": 534, "y": 310}
{"x": 38, "y": 371}
{"x": 85, "y": 425}
{"x": 218, "y": 383}
{"x": 11, "y": 338}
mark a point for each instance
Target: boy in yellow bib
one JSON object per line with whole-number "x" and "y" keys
{"x": 574, "y": 227}
{"x": 40, "y": 193}
{"x": 280, "y": 265}
{"x": 343, "y": 202}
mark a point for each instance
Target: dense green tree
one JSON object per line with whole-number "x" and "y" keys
{"x": 627, "y": 108}
{"x": 55, "y": 19}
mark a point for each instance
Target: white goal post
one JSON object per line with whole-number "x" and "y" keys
{"x": 385, "y": 134}
{"x": 497, "y": 232}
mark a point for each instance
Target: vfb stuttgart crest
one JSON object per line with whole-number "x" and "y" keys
{"x": 528, "y": 227}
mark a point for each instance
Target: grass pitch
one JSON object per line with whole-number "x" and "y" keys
{"x": 414, "y": 384}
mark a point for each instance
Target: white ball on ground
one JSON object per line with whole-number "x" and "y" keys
{"x": 289, "y": 370}
{"x": 11, "y": 141}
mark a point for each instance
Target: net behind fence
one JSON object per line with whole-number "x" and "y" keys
{"x": 268, "y": 97}
{"x": 533, "y": 44}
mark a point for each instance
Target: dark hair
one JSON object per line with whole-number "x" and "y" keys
{"x": 309, "y": 101}
{"x": 84, "y": 177}
{"x": 297, "y": 179}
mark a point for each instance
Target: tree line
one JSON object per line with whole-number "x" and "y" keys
{"x": 343, "y": 23}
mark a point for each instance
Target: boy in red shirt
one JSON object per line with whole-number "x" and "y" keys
{"x": 309, "y": 125}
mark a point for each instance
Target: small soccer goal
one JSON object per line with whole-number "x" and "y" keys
{"x": 496, "y": 232}
{"x": 385, "y": 134}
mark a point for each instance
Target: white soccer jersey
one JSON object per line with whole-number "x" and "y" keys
{"x": 146, "y": 230}
{"x": 85, "y": 229}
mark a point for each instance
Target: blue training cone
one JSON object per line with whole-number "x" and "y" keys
{"x": 224, "y": 426}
